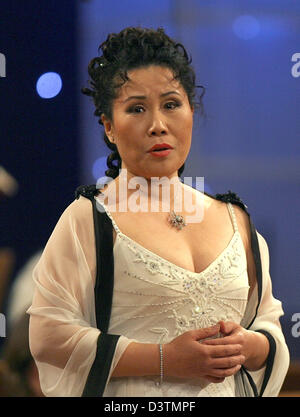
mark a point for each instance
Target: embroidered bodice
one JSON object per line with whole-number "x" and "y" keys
{"x": 154, "y": 300}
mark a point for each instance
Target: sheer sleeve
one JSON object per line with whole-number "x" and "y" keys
{"x": 267, "y": 321}
{"x": 63, "y": 333}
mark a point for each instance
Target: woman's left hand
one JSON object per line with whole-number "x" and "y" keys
{"x": 255, "y": 346}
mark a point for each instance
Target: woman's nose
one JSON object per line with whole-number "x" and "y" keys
{"x": 157, "y": 127}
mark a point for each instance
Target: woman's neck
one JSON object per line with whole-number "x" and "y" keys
{"x": 133, "y": 193}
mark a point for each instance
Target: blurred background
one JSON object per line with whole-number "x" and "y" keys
{"x": 247, "y": 56}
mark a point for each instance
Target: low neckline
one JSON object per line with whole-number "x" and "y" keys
{"x": 166, "y": 261}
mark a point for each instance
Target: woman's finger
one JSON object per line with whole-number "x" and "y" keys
{"x": 225, "y": 350}
{"x": 227, "y": 327}
{"x": 214, "y": 379}
{"x": 224, "y": 373}
{"x": 226, "y": 340}
{"x": 228, "y": 362}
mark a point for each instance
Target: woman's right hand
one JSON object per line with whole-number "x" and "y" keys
{"x": 186, "y": 357}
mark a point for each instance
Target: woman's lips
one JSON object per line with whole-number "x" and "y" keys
{"x": 159, "y": 154}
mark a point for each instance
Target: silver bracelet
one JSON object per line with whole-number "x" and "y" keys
{"x": 161, "y": 364}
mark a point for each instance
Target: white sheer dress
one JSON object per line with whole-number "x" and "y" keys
{"x": 153, "y": 301}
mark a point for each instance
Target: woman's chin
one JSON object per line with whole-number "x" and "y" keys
{"x": 157, "y": 171}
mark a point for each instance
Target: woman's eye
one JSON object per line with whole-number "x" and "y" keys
{"x": 136, "y": 109}
{"x": 172, "y": 105}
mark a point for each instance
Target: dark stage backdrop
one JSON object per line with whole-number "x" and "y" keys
{"x": 38, "y": 136}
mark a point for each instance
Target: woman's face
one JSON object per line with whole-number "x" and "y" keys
{"x": 151, "y": 108}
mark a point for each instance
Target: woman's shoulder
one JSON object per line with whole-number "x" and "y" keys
{"x": 79, "y": 213}
{"x": 221, "y": 200}
{"x": 218, "y": 205}
{"x": 239, "y": 206}
{"x": 80, "y": 207}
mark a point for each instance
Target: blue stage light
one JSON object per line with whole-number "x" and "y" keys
{"x": 246, "y": 27}
{"x": 99, "y": 167}
{"x": 49, "y": 85}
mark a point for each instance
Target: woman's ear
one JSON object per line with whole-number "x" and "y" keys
{"x": 108, "y": 127}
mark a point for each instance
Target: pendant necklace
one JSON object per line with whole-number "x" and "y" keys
{"x": 177, "y": 220}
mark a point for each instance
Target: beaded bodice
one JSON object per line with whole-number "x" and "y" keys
{"x": 154, "y": 300}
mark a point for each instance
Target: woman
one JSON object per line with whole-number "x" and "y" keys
{"x": 187, "y": 300}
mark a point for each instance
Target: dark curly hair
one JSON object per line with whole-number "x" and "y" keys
{"x": 132, "y": 48}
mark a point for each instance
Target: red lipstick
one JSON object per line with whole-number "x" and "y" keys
{"x": 160, "y": 149}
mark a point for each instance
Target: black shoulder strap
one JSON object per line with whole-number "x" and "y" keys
{"x": 232, "y": 197}
{"x": 104, "y": 284}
